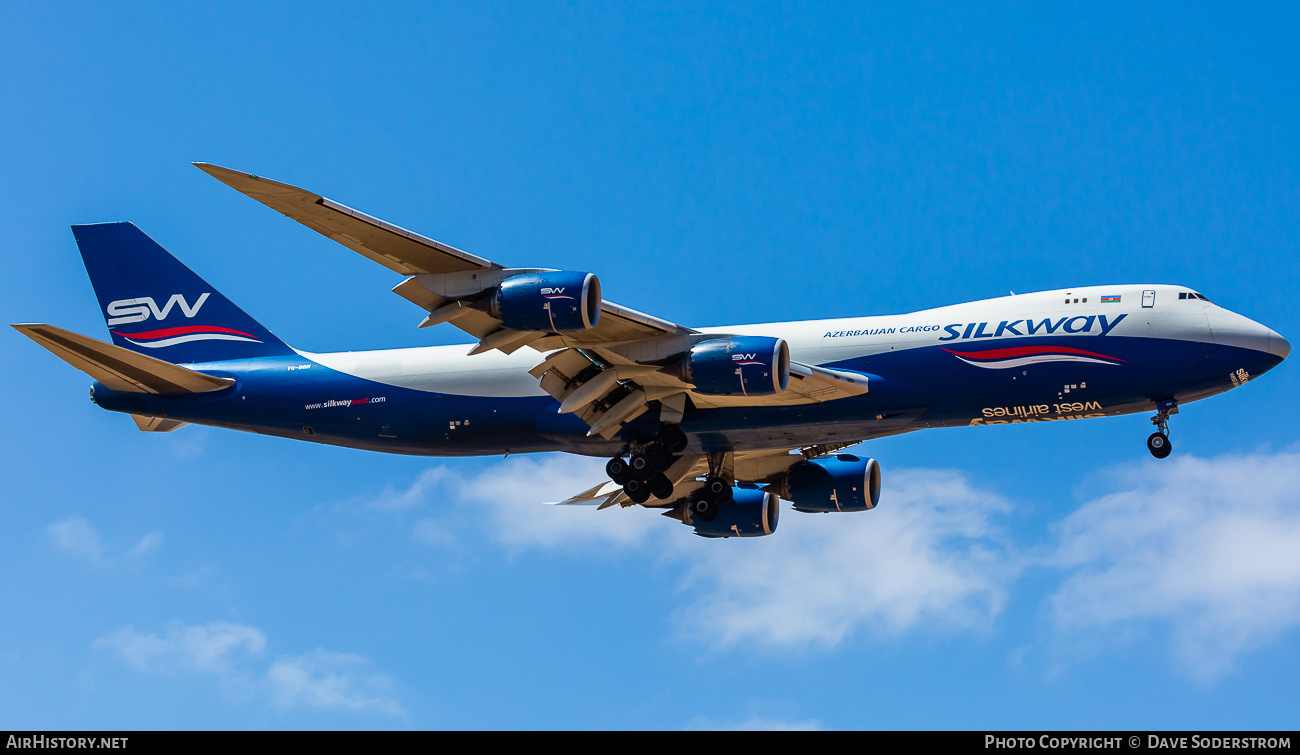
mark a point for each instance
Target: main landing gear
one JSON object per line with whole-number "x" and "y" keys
{"x": 642, "y": 475}
{"x": 706, "y": 501}
{"x": 1158, "y": 442}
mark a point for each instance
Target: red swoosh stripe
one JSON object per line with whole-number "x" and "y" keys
{"x": 1024, "y": 351}
{"x": 168, "y": 332}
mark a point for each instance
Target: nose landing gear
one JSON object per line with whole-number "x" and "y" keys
{"x": 1158, "y": 442}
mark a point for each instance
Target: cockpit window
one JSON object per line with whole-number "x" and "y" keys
{"x": 1193, "y": 295}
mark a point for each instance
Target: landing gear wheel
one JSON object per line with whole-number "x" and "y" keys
{"x": 1158, "y": 442}
{"x": 618, "y": 470}
{"x": 704, "y": 509}
{"x": 1159, "y": 446}
{"x": 637, "y": 490}
{"x": 716, "y": 490}
{"x": 641, "y": 466}
{"x": 672, "y": 438}
{"x": 657, "y": 456}
{"x": 660, "y": 486}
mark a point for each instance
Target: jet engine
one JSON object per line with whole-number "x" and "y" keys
{"x": 559, "y": 301}
{"x": 737, "y": 366}
{"x": 843, "y": 482}
{"x": 750, "y": 513}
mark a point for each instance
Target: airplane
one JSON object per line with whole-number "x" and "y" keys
{"x": 711, "y": 426}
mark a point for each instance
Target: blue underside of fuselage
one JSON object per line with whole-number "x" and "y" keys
{"x": 908, "y": 390}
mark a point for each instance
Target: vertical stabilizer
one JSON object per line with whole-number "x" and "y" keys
{"x": 155, "y": 305}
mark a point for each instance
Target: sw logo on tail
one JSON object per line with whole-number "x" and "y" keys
{"x": 128, "y": 311}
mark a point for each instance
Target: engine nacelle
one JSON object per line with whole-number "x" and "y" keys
{"x": 751, "y": 513}
{"x": 737, "y": 366}
{"x": 842, "y": 482}
{"x": 562, "y": 301}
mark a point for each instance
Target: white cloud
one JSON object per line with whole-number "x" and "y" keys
{"x": 193, "y": 578}
{"x": 213, "y": 647}
{"x": 928, "y": 556}
{"x": 392, "y": 499}
{"x": 431, "y": 532}
{"x": 517, "y": 490}
{"x": 77, "y": 538}
{"x": 146, "y": 544}
{"x": 230, "y": 652}
{"x": 188, "y": 443}
{"x": 513, "y": 494}
{"x": 322, "y": 679}
{"x": 1207, "y": 550}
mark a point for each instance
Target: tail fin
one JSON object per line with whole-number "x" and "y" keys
{"x": 156, "y": 305}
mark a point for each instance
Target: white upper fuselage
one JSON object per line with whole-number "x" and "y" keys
{"x": 449, "y": 370}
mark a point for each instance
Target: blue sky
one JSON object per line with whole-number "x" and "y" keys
{"x": 713, "y": 164}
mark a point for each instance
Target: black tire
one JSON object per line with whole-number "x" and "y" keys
{"x": 716, "y": 490}
{"x": 618, "y": 470}
{"x": 657, "y": 456}
{"x": 660, "y": 486}
{"x": 672, "y": 438}
{"x": 704, "y": 509}
{"x": 637, "y": 490}
{"x": 1159, "y": 446}
{"x": 641, "y": 466}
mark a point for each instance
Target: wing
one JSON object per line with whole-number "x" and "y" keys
{"x": 395, "y": 248}
{"x": 435, "y": 268}
{"x": 608, "y": 374}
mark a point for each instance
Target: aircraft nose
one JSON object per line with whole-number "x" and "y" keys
{"x": 1231, "y": 329}
{"x": 1277, "y": 345}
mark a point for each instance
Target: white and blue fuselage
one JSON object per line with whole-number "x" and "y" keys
{"x": 703, "y": 416}
{"x": 1068, "y": 354}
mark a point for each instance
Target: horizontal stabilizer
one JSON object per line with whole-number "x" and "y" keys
{"x": 118, "y": 368}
